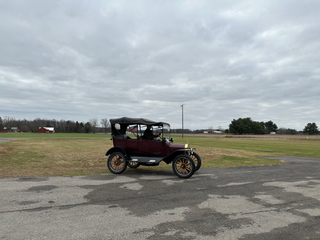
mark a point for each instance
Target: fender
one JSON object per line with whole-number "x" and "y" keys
{"x": 118, "y": 149}
{"x": 168, "y": 159}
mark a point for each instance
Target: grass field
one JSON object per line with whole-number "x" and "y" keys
{"x": 84, "y": 154}
{"x": 54, "y": 135}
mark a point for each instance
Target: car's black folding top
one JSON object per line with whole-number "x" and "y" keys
{"x": 128, "y": 121}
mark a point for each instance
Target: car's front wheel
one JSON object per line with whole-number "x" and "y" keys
{"x": 117, "y": 163}
{"x": 183, "y": 166}
{"x": 197, "y": 160}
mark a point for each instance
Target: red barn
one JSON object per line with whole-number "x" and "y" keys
{"x": 4, "y": 130}
{"x": 46, "y": 130}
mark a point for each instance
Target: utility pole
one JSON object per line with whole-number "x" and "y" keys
{"x": 182, "y": 119}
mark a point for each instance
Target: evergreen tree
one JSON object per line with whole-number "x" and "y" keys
{"x": 270, "y": 127}
{"x": 88, "y": 127}
{"x": 1, "y": 124}
{"x": 76, "y": 129}
{"x": 311, "y": 128}
{"x": 247, "y": 126}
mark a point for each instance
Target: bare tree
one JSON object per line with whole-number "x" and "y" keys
{"x": 1, "y": 124}
{"x": 94, "y": 124}
{"x": 105, "y": 124}
{"x": 9, "y": 122}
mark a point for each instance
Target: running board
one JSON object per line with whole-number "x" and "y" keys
{"x": 150, "y": 160}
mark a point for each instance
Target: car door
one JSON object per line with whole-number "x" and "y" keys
{"x": 132, "y": 146}
{"x": 151, "y": 147}
{"x": 155, "y": 148}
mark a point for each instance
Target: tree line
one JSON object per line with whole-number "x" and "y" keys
{"x": 237, "y": 126}
{"x": 62, "y": 126}
{"x": 248, "y": 126}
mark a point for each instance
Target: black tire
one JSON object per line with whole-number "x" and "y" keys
{"x": 197, "y": 160}
{"x": 133, "y": 164}
{"x": 117, "y": 163}
{"x": 183, "y": 166}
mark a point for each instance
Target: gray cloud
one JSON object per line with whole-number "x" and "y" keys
{"x": 223, "y": 59}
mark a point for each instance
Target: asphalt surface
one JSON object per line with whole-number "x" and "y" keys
{"x": 3, "y": 140}
{"x": 267, "y": 202}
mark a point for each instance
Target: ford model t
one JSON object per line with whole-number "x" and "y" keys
{"x": 139, "y": 141}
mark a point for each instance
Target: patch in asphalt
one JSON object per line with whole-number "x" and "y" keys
{"x": 309, "y": 188}
{"x": 269, "y": 199}
{"x": 262, "y": 219}
{"x": 32, "y": 179}
{"x": 42, "y": 188}
{"x": 132, "y": 186}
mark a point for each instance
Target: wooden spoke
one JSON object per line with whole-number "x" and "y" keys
{"x": 183, "y": 166}
{"x": 117, "y": 163}
{"x": 195, "y": 159}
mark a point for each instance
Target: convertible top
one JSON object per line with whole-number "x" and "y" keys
{"x": 129, "y": 121}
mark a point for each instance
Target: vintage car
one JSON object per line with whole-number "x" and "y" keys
{"x": 139, "y": 141}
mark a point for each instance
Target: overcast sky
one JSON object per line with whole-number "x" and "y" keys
{"x": 78, "y": 60}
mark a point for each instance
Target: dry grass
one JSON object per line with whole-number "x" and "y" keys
{"x": 38, "y": 157}
{"x": 71, "y": 157}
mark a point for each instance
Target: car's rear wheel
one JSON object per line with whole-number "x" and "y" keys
{"x": 197, "y": 160}
{"x": 117, "y": 163}
{"x": 183, "y": 166}
{"x": 133, "y": 164}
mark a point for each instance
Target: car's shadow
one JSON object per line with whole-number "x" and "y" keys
{"x": 147, "y": 172}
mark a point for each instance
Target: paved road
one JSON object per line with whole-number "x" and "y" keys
{"x": 3, "y": 140}
{"x": 269, "y": 202}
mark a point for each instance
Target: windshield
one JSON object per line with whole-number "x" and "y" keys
{"x": 166, "y": 131}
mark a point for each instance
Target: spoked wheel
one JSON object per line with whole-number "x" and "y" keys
{"x": 197, "y": 160}
{"x": 183, "y": 166}
{"x": 117, "y": 163}
{"x": 133, "y": 164}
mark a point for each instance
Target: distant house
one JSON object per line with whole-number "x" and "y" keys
{"x": 4, "y": 130}
{"x": 46, "y": 130}
{"x": 217, "y": 131}
{"x": 15, "y": 129}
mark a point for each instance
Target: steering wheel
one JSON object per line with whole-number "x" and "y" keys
{"x": 158, "y": 135}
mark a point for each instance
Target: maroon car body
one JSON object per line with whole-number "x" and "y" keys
{"x": 131, "y": 148}
{"x": 141, "y": 147}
